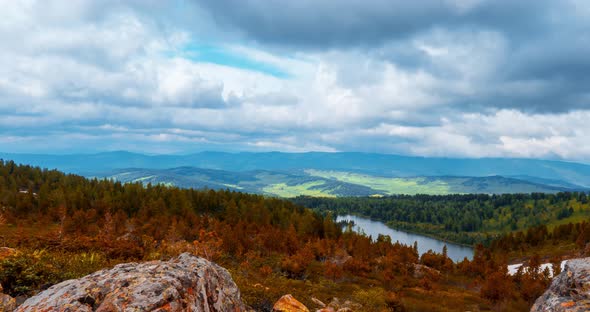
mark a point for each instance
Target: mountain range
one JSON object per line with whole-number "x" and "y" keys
{"x": 324, "y": 174}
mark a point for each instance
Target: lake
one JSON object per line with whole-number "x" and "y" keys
{"x": 425, "y": 243}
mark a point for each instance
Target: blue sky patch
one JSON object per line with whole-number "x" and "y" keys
{"x": 219, "y": 55}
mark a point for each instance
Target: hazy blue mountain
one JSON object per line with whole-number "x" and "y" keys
{"x": 563, "y": 174}
{"x": 548, "y": 182}
{"x": 326, "y": 183}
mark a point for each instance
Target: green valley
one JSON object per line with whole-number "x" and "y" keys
{"x": 327, "y": 183}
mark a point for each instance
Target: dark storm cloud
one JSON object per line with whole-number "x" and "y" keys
{"x": 545, "y": 66}
{"x": 346, "y": 23}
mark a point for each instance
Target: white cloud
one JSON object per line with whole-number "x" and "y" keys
{"x": 115, "y": 76}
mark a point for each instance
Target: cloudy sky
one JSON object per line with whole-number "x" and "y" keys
{"x": 467, "y": 78}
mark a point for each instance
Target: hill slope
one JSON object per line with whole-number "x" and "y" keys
{"x": 372, "y": 164}
{"x": 313, "y": 182}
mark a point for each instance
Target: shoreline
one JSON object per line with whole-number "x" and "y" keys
{"x": 458, "y": 252}
{"x": 412, "y": 231}
{"x": 430, "y": 236}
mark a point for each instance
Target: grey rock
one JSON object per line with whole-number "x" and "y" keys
{"x": 569, "y": 291}
{"x": 185, "y": 283}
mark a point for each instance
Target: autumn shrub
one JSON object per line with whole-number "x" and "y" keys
{"x": 357, "y": 267}
{"x": 295, "y": 266}
{"x": 265, "y": 270}
{"x": 259, "y": 296}
{"x": 31, "y": 270}
{"x": 497, "y": 286}
{"x": 333, "y": 271}
{"x": 20, "y": 274}
{"x": 437, "y": 261}
{"x": 394, "y": 303}
{"x": 372, "y": 299}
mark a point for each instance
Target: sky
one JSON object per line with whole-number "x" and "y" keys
{"x": 450, "y": 78}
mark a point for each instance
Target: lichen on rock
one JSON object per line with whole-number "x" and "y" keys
{"x": 185, "y": 283}
{"x": 569, "y": 291}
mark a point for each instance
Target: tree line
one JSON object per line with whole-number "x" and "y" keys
{"x": 468, "y": 219}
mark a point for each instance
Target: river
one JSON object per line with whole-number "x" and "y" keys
{"x": 425, "y": 243}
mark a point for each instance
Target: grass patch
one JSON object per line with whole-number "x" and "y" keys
{"x": 284, "y": 190}
{"x": 389, "y": 186}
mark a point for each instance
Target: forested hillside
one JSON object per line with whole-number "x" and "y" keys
{"x": 288, "y": 184}
{"x": 556, "y": 241}
{"x": 467, "y": 219}
{"x": 554, "y": 173}
{"x": 65, "y": 226}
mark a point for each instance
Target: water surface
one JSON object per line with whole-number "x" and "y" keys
{"x": 425, "y": 243}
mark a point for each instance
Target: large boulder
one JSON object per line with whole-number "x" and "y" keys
{"x": 569, "y": 291}
{"x": 185, "y": 283}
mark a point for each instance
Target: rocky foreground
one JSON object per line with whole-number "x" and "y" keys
{"x": 569, "y": 291}
{"x": 190, "y": 283}
{"x": 185, "y": 283}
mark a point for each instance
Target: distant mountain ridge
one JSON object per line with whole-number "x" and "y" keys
{"x": 327, "y": 183}
{"x": 367, "y": 163}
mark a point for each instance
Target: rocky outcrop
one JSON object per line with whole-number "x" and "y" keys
{"x": 569, "y": 291}
{"x": 289, "y": 304}
{"x": 185, "y": 283}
